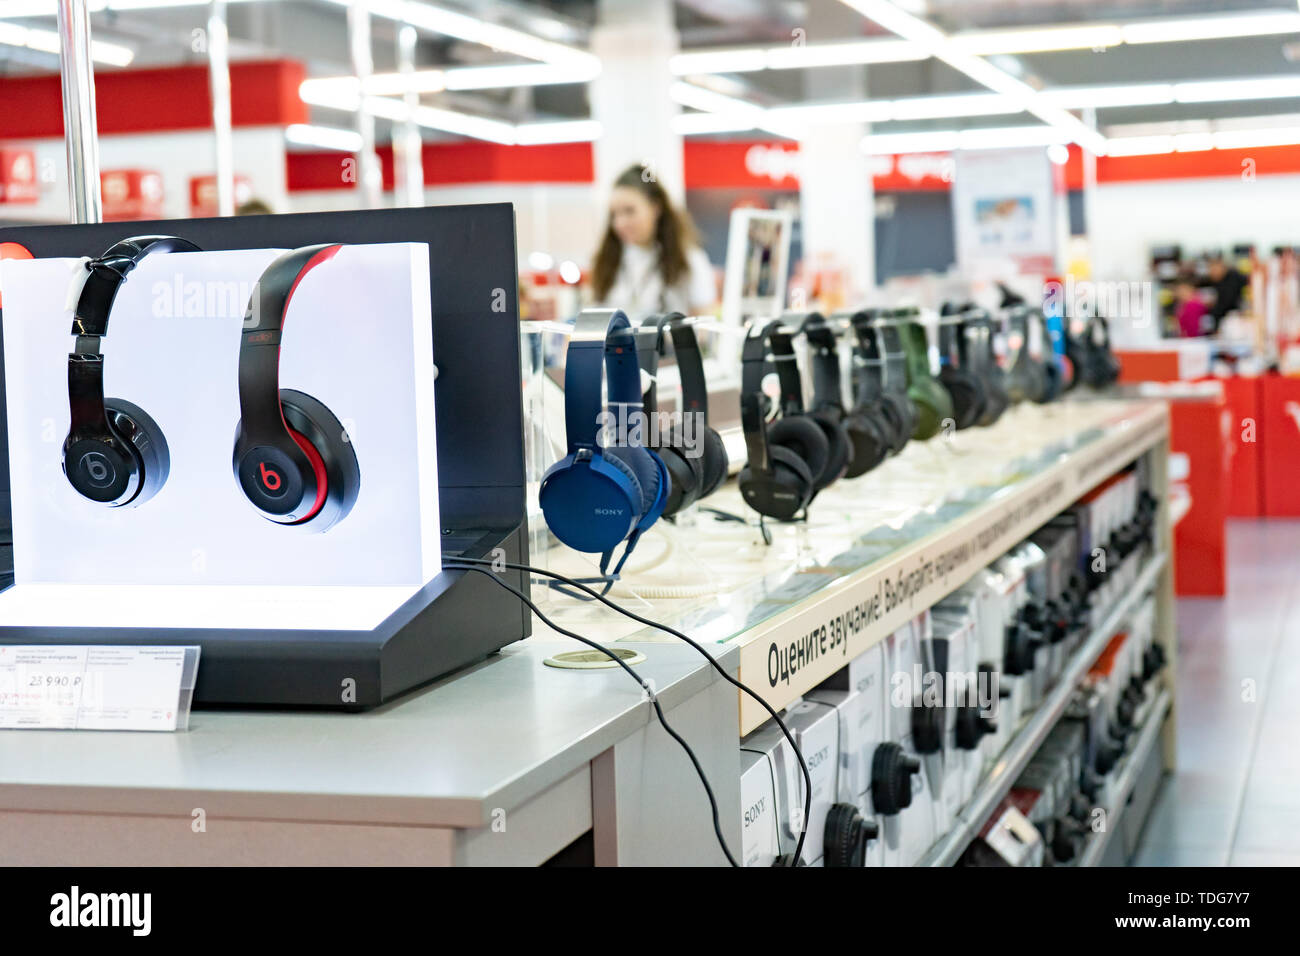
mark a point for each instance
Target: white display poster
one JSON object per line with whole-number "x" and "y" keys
{"x": 1004, "y": 207}
{"x": 758, "y": 263}
{"x": 357, "y": 338}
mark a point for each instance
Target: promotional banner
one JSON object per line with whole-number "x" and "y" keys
{"x": 1005, "y": 212}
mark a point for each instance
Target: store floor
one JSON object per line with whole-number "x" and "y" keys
{"x": 1235, "y": 799}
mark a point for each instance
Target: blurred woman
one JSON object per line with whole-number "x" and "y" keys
{"x": 649, "y": 259}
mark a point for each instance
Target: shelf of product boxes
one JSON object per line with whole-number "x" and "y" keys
{"x": 1022, "y": 747}
{"x": 1147, "y": 739}
{"x": 874, "y": 552}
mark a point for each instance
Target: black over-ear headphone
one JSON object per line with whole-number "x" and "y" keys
{"x": 865, "y": 442}
{"x": 966, "y": 389}
{"x": 114, "y": 452}
{"x": 292, "y": 458}
{"x": 787, "y": 458}
{"x": 692, "y": 473}
{"x": 877, "y": 384}
{"x": 980, "y": 359}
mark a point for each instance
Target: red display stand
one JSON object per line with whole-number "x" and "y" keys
{"x": 1201, "y": 429}
{"x": 1280, "y": 427}
{"x": 1246, "y": 435}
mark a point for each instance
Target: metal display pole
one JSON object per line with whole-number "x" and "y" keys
{"x": 368, "y": 175}
{"x": 409, "y": 156}
{"x": 219, "y": 86}
{"x": 80, "y": 131}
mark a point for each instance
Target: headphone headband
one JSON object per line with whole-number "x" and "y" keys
{"x": 261, "y": 417}
{"x": 602, "y": 338}
{"x": 827, "y": 384}
{"x": 752, "y": 407}
{"x": 108, "y": 272}
{"x": 690, "y": 363}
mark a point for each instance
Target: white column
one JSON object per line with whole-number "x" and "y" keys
{"x": 370, "y": 178}
{"x": 219, "y": 87}
{"x": 836, "y": 199}
{"x": 631, "y": 97}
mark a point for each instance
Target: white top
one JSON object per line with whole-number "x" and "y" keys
{"x": 639, "y": 291}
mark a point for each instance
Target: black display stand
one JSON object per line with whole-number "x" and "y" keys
{"x": 458, "y": 617}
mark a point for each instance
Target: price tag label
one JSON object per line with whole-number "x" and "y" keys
{"x": 94, "y": 687}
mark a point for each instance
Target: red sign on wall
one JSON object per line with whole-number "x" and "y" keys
{"x": 131, "y": 194}
{"x": 18, "y": 176}
{"x": 203, "y": 194}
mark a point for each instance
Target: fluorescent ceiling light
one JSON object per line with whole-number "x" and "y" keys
{"x": 939, "y": 45}
{"x": 454, "y": 78}
{"x": 696, "y": 124}
{"x": 942, "y": 141}
{"x": 708, "y": 101}
{"x": 886, "y": 50}
{"x": 867, "y": 111}
{"x": 1175, "y": 30}
{"x": 520, "y": 74}
{"x": 1101, "y": 97}
{"x": 47, "y": 41}
{"x": 718, "y": 61}
{"x": 1139, "y": 145}
{"x": 471, "y": 29}
{"x": 13, "y": 9}
{"x": 1236, "y": 137}
{"x": 1083, "y": 36}
{"x": 452, "y": 121}
{"x": 943, "y": 107}
{"x": 1039, "y": 39}
{"x": 1250, "y": 138}
{"x": 1215, "y": 91}
{"x": 563, "y": 131}
{"x": 325, "y": 137}
{"x": 891, "y": 143}
{"x": 1193, "y": 142}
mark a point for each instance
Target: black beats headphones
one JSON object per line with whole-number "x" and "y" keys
{"x": 114, "y": 453}
{"x": 865, "y": 443}
{"x": 292, "y": 458}
{"x": 968, "y": 392}
{"x": 787, "y": 458}
{"x": 697, "y": 472}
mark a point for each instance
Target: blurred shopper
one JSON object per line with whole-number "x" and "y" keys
{"x": 1228, "y": 284}
{"x": 649, "y": 259}
{"x": 1193, "y": 316}
{"x": 255, "y": 207}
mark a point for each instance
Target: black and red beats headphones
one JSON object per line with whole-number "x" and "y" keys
{"x": 114, "y": 452}
{"x": 292, "y": 458}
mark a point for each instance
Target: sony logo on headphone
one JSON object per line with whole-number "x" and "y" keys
{"x": 609, "y": 511}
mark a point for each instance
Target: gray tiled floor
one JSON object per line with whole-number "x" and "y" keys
{"x": 1235, "y": 798}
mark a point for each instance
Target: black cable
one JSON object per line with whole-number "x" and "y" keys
{"x": 743, "y": 688}
{"x": 699, "y": 770}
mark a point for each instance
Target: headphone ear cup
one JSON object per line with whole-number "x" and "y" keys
{"x": 784, "y": 493}
{"x": 965, "y": 393}
{"x": 591, "y": 505}
{"x": 651, "y": 475}
{"x": 144, "y": 441}
{"x": 715, "y": 462}
{"x": 831, "y": 422}
{"x": 868, "y": 440}
{"x": 896, "y": 416}
{"x": 805, "y": 439}
{"x": 323, "y": 439}
{"x": 684, "y": 475}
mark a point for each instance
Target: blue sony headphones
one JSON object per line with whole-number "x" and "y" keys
{"x": 597, "y": 497}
